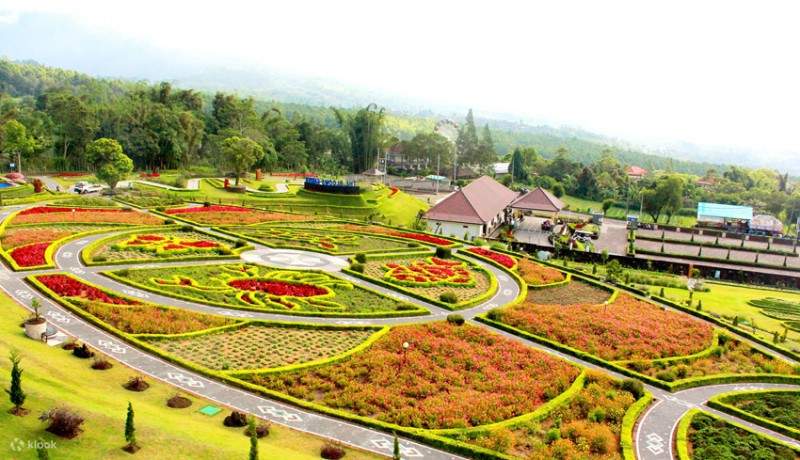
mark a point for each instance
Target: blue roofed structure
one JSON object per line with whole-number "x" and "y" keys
{"x": 717, "y": 211}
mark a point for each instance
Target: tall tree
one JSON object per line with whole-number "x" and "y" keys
{"x": 365, "y": 129}
{"x": 75, "y": 125}
{"x": 430, "y": 150}
{"x": 251, "y": 427}
{"x": 111, "y": 163}
{"x": 130, "y": 430}
{"x": 241, "y": 154}
{"x": 15, "y": 393}
{"x": 486, "y": 151}
{"x": 467, "y": 144}
{"x": 17, "y": 142}
{"x": 518, "y": 168}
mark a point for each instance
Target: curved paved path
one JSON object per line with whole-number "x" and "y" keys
{"x": 653, "y": 433}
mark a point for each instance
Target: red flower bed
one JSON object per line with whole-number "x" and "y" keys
{"x": 278, "y": 288}
{"x": 56, "y": 214}
{"x": 66, "y": 286}
{"x": 422, "y": 237}
{"x": 627, "y": 329}
{"x": 502, "y": 259}
{"x": 212, "y": 208}
{"x": 30, "y": 255}
{"x": 449, "y": 377}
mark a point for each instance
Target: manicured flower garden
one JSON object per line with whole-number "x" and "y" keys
{"x": 711, "y": 438}
{"x": 502, "y": 259}
{"x": 55, "y": 214}
{"x": 537, "y": 274}
{"x": 173, "y": 244}
{"x": 730, "y": 357}
{"x": 328, "y": 241}
{"x": 626, "y": 329}
{"x": 587, "y": 427}
{"x": 575, "y": 293}
{"x": 230, "y": 215}
{"x": 260, "y": 346}
{"x": 30, "y": 255}
{"x": 125, "y": 314}
{"x": 261, "y": 288}
{"x": 449, "y": 376}
{"x": 430, "y": 277}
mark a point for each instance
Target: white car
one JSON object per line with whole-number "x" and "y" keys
{"x": 86, "y": 187}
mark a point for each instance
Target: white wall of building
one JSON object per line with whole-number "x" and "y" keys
{"x": 456, "y": 229}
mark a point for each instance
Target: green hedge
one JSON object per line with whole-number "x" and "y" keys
{"x": 629, "y": 422}
{"x": 718, "y": 402}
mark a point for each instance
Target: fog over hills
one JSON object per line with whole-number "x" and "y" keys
{"x": 58, "y": 41}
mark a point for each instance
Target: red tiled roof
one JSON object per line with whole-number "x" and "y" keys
{"x": 477, "y": 203}
{"x": 635, "y": 171}
{"x": 538, "y": 199}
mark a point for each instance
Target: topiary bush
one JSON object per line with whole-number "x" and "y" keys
{"x": 361, "y": 257}
{"x": 357, "y": 267}
{"x": 101, "y": 364}
{"x": 456, "y": 319}
{"x": 634, "y": 387}
{"x": 444, "y": 253}
{"x": 331, "y": 451}
{"x": 235, "y": 419}
{"x": 448, "y": 297}
{"x": 83, "y": 352}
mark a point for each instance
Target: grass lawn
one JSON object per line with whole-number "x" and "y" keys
{"x": 581, "y": 204}
{"x": 729, "y": 301}
{"x": 53, "y": 377}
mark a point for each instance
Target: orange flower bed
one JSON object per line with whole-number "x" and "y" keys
{"x": 231, "y": 215}
{"x": 536, "y": 274}
{"x": 52, "y": 215}
{"x": 15, "y": 237}
{"x": 449, "y": 377}
{"x": 627, "y": 329}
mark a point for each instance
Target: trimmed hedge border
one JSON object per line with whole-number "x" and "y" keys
{"x": 417, "y": 434}
{"x": 717, "y": 403}
{"x": 417, "y": 311}
{"x": 669, "y": 386}
{"x": 235, "y": 252}
{"x": 493, "y": 285}
{"x": 682, "y": 436}
{"x": 628, "y": 424}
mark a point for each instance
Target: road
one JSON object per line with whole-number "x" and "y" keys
{"x": 653, "y": 433}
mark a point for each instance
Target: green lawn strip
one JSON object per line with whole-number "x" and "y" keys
{"x": 683, "y": 435}
{"x": 422, "y": 435}
{"x": 87, "y": 259}
{"x": 493, "y": 285}
{"x": 676, "y": 385}
{"x": 628, "y": 424}
{"x": 726, "y": 403}
{"x": 52, "y": 378}
{"x": 407, "y": 309}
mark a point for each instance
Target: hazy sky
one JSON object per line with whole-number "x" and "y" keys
{"x": 710, "y": 72}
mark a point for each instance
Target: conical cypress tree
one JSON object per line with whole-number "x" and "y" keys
{"x": 130, "y": 430}
{"x": 251, "y": 425}
{"x": 396, "y": 449}
{"x": 15, "y": 393}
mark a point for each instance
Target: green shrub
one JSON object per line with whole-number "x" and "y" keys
{"x": 361, "y": 257}
{"x": 494, "y": 315}
{"x": 168, "y": 221}
{"x": 444, "y": 253}
{"x": 456, "y": 319}
{"x": 597, "y": 415}
{"x": 553, "y": 435}
{"x": 186, "y": 228}
{"x": 358, "y": 268}
{"x": 448, "y": 297}
{"x": 634, "y": 387}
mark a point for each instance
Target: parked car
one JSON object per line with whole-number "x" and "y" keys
{"x": 82, "y": 188}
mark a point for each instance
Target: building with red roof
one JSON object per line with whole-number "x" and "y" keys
{"x": 635, "y": 172}
{"x": 475, "y": 210}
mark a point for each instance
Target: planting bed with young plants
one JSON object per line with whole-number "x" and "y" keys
{"x": 537, "y": 274}
{"x": 261, "y": 288}
{"x": 230, "y": 215}
{"x": 431, "y": 277}
{"x": 261, "y": 346}
{"x": 158, "y": 245}
{"x": 781, "y": 407}
{"x": 123, "y": 313}
{"x": 448, "y": 377}
{"x": 324, "y": 240}
{"x": 575, "y": 293}
{"x": 710, "y": 438}
{"x": 587, "y": 427}
{"x": 625, "y": 329}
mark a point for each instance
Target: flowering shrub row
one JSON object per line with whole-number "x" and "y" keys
{"x": 502, "y": 259}
{"x": 448, "y": 377}
{"x": 231, "y": 215}
{"x": 212, "y": 208}
{"x": 278, "y": 288}
{"x": 536, "y": 274}
{"x": 422, "y": 237}
{"x": 627, "y": 329}
{"x": 66, "y": 286}
{"x": 430, "y": 272}
{"x": 21, "y": 236}
{"x": 30, "y": 255}
{"x": 169, "y": 245}
{"x": 53, "y": 214}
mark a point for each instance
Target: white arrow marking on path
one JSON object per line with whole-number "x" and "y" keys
{"x": 23, "y": 294}
{"x": 405, "y": 450}
{"x": 655, "y": 443}
{"x": 77, "y": 270}
{"x": 506, "y": 291}
{"x": 112, "y": 347}
{"x": 185, "y": 380}
{"x": 280, "y": 413}
{"x": 67, "y": 254}
{"x": 58, "y": 317}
